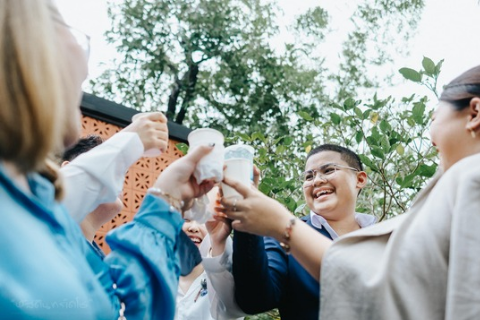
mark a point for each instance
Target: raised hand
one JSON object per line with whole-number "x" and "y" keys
{"x": 218, "y": 229}
{"x": 177, "y": 179}
{"x": 152, "y": 129}
{"x": 256, "y": 213}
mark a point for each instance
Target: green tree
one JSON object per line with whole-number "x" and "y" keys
{"x": 212, "y": 62}
{"x": 212, "y": 58}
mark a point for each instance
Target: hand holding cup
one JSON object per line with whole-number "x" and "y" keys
{"x": 152, "y": 129}
{"x": 177, "y": 179}
{"x": 209, "y": 168}
{"x": 238, "y": 166}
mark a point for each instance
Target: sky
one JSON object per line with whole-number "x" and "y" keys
{"x": 448, "y": 29}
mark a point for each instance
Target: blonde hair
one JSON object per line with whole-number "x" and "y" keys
{"x": 32, "y": 113}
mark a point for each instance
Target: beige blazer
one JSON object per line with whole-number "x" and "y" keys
{"x": 421, "y": 265}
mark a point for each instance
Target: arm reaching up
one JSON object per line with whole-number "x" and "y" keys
{"x": 261, "y": 215}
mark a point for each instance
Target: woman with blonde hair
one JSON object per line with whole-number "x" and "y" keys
{"x": 47, "y": 269}
{"x": 420, "y": 265}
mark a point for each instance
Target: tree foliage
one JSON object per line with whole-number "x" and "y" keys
{"x": 212, "y": 62}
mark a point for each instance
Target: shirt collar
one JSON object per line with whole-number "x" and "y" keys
{"x": 319, "y": 222}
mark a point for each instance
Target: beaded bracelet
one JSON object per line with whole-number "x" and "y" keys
{"x": 287, "y": 235}
{"x": 175, "y": 203}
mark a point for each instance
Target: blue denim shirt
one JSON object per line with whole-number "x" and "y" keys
{"x": 49, "y": 271}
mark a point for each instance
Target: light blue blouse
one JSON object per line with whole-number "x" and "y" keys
{"x": 48, "y": 270}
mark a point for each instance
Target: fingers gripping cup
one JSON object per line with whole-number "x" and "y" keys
{"x": 239, "y": 167}
{"x": 209, "y": 167}
{"x": 154, "y": 152}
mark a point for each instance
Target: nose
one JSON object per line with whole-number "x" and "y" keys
{"x": 319, "y": 178}
{"x": 193, "y": 227}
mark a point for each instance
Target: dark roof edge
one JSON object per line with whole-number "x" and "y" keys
{"x": 120, "y": 115}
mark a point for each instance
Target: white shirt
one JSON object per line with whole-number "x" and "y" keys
{"x": 218, "y": 302}
{"x": 220, "y": 282}
{"x": 194, "y": 304}
{"x": 363, "y": 220}
{"x": 98, "y": 175}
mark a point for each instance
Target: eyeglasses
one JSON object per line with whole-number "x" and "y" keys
{"x": 325, "y": 172}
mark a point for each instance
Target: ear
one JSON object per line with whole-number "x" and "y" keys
{"x": 362, "y": 179}
{"x": 64, "y": 163}
{"x": 473, "y": 123}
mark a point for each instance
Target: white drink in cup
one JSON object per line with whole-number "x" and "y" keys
{"x": 154, "y": 152}
{"x": 239, "y": 167}
{"x": 210, "y": 167}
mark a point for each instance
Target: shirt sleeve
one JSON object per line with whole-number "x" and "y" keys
{"x": 259, "y": 270}
{"x": 143, "y": 268}
{"x": 463, "y": 295}
{"x": 97, "y": 176}
{"x": 221, "y": 285}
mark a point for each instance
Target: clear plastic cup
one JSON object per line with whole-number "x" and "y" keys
{"x": 154, "y": 152}
{"x": 239, "y": 167}
{"x": 210, "y": 167}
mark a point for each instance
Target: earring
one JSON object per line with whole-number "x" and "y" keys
{"x": 473, "y": 133}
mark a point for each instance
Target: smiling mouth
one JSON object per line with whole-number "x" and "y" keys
{"x": 196, "y": 240}
{"x": 323, "y": 193}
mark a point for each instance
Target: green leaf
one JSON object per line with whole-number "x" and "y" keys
{"x": 385, "y": 144}
{"x": 385, "y": 126}
{"x": 336, "y": 119}
{"x": 411, "y": 74}
{"x": 359, "y": 136}
{"x": 376, "y": 134}
{"x": 280, "y": 149}
{"x": 428, "y": 66}
{"x": 245, "y": 137}
{"x": 371, "y": 141}
{"x": 288, "y": 140}
{"x": 400, "y": 150}
{"x": 359, "y": 113}
{"x": 426, "y": 171}
{"x": 306, "y": 116}
{"x": 418, "y": 112}
{"x": 264, "y": 188}
{"x": 407, "y": 181}
{"x": 276, "y": 141}
{"x": 369, "y": 163}
{"x": 438, "y": 67}
{"x": 410, "y": 122}
{"x": 377, "y": 152}
{"x": 349, "y": 104}
{"x": 260, "y": 136}
{"x": 366, "y": 114}
{"x": 183, "y": 147}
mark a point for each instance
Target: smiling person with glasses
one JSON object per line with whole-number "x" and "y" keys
{"x": 266, "y": 276}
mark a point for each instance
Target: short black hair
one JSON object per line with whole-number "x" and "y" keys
{"x": 83, "y": 145}
{"x": 346, "y": 154}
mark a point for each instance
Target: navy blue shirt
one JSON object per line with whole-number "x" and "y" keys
{"x": 267, "y": 278}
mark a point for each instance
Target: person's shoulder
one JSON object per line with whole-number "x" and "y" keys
{"x": 466, "y": 169}
{"x": 467, "y": 165}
